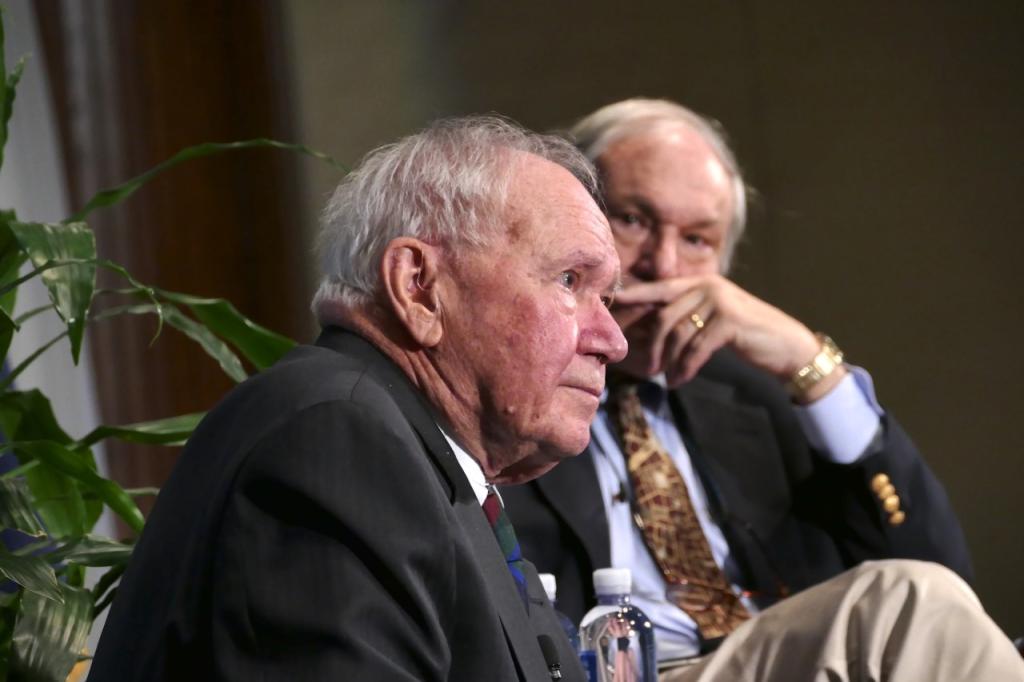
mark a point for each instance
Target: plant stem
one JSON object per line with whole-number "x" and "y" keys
{"x": 142, "y": 492}
{"x": 31, "y": 547}
{"x": 29, "y": 314}
{"x": 9, "y": 379}
{"x": 48, "y": 265}
{"x": 19, "y": 470}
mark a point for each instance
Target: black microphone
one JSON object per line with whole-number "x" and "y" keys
{"x": 547, "y": 647}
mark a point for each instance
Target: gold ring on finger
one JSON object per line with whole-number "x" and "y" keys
{"x": 697, "y": 320}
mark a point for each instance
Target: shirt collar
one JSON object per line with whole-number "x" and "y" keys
{"x": 470, "y": 467}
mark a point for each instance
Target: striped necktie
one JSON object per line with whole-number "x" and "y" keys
{"x": 502, "y": 527}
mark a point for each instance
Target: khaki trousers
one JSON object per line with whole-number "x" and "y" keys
{"x": 895, "y": 620}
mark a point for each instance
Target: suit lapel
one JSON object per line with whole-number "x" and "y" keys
{"x": 413, "y": 406}
{"x": 488, "y": 555}
{"x": 500, "y": 585}
{"x": 733, "y": 446}
{"x": 520, "y": 634}
{"x": 574, "y": 492}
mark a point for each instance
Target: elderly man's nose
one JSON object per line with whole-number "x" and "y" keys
{"x": 665, "y": 256}
{"x": 603, "y": 338}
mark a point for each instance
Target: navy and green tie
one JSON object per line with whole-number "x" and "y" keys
{"x": 502, "y": 527}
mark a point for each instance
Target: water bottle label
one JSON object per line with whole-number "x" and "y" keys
{"x": 589, "y": 661}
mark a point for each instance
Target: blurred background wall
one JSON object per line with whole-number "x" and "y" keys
{"x": 882, "y": 138}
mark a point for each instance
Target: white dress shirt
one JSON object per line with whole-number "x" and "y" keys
{"x": 471, "y": 468}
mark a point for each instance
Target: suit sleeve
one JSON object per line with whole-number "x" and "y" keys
{"x": 840, "y": 499}
{"x": 847, "y": 500}
{"x": 335, "y": 558}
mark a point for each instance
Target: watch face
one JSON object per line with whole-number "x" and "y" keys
{"x": 823, "y": 364}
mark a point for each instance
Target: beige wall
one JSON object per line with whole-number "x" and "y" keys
{"x": 885, "y": 141}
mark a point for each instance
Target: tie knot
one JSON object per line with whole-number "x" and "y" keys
{"x": 624, "y": 390}
{"x": 628, "y": 399}
{"x": 492, "y": 506}
{"x": 650, "y": 394}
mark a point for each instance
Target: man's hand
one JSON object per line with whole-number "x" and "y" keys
{"x": 674, "y": 325}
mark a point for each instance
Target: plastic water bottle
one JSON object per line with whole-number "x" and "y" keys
{"x": 551, "y": 588}
{"x": 617, "y": 638}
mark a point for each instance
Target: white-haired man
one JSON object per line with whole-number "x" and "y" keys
{"x": 735, "y": 460}
{"x": 334, "y": 517}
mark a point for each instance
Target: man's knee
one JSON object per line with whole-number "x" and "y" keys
{"x": 921, "y": 578}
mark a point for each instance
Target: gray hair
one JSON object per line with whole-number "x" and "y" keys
{"x": 446, "y": 185}
{"x": 596, "y": 132}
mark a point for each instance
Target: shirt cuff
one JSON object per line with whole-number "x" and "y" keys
{"x": 843, "y": 424}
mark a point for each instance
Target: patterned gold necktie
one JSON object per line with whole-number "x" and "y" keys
{"x": 669, "y": 524}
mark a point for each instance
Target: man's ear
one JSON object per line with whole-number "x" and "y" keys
{"x": 409, "y": 278}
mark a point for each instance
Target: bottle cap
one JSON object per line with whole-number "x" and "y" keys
{"x": 550, "y": 585}
{"x": 613, "y": 581}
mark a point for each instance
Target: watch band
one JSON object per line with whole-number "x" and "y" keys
{"x": 823, "y": 364}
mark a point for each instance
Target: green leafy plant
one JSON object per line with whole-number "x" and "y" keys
{"x": 54, "y": 497}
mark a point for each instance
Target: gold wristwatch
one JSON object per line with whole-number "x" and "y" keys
{"x": 828, "y": 359}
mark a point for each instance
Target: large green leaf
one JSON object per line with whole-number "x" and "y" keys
{"x": 117, "y": 194}
{"x": 214, "y": 347}
{"x": 48, "y": 638}
{"x": 259, "y": 345}
{"x": 11, "y": 254}
{"x": 31, "y": 572}
{"x": 8, "y": 86}
{"x": 16, "y": 508}
{"x": 93, "y": 550}
{"x": 71, "y": 286}
{"x": 7, "y": 328}
{"x": 11, "y": 258}
{"x": 138, "y": 290}
{"x": 168, "y": 431}
{"x": 8, "y": 103}
{"x": 28, "y": 416}
{"x": 59, "y": 501}
{"x": 74, "y": 464}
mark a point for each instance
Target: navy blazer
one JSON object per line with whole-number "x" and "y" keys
{"x": 317, "y": 526}
{"x": 791, "y": 518}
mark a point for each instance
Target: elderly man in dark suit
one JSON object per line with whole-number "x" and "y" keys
{"x": 334, "y": 517}
{"x": 735, "y": 459}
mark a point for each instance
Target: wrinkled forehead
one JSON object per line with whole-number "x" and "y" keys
{"x": 665, "y": 141}
{"x": 543, "y": 195}
{"x": 536, "y": 181}
{"x": 668, "y": 160}
{"x": 640, "y": 127}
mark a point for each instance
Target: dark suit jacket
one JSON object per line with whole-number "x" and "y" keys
{"x": 318, "y": 527}
{"x": 791, "y": 518}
